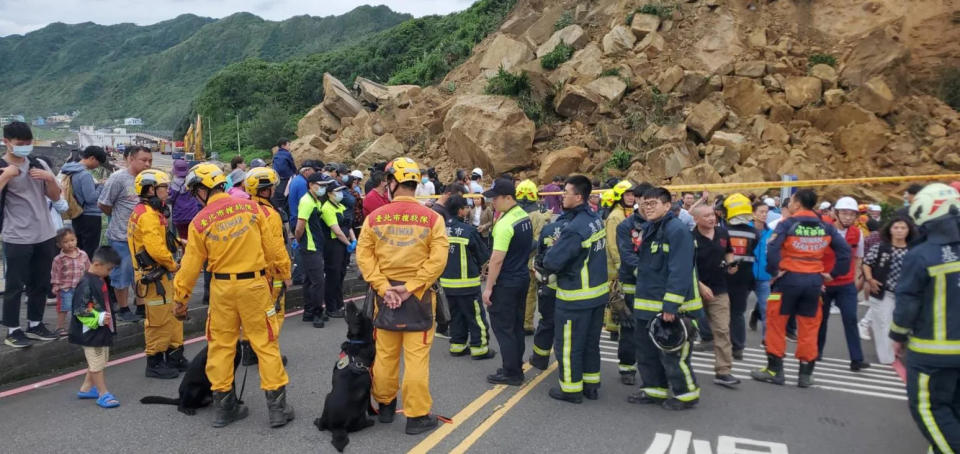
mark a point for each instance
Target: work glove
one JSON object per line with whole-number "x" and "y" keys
{"x": 294, "y": 244}
{"x": 352, "y": 247}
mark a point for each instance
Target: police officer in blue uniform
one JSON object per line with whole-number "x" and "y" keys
{"x": 546, "y": 297}
{"x": 461, "y": 283}
{"x": 927, "y": 317}
{"x": 579, "y": 260}
{"x": 666, "y": 288}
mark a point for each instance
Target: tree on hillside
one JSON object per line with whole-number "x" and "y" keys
{"x": 268, "y": 125}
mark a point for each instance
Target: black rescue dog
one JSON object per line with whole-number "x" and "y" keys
{"x": 194, "y": 388}
{"x": 347, "y": 405}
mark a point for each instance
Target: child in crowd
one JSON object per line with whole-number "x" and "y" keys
{"x": 68, "y": 267}
{"x": 92, "y": 325}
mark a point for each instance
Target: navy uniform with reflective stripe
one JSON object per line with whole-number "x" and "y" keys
{"x": 546, "y": 294}
{"x": 627, "y": 344}
{"x": 666, "y": 282}
{"x": 579, "y": 260}
{"x": 461, "y": 283}
{"x": 927, "y": 317}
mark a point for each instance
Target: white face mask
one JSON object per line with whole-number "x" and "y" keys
{"x": 320, "y": 191}
{"x": 22, "y": 150}
{"x": 337, "y": 196}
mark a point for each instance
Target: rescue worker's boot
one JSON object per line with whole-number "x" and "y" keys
{"x": 249, "y": 357}
{"x": 806, "y": 374}
{"x": 157, "y": 368}
{"x": 175, "y": 359}
{"x": 386, "y": 411}
{"x": 228, "y": 408}
{"x": 773, "y": 373}
{"x": 539, "y": 361}
{"x": 280, "y": 411}
{"x": 628, "y": 378}
{"x": 559, "y": 394}
{"x": 676, "y": 404}
{"x": 591, "y": 391}
{"x": 421, "y": 424}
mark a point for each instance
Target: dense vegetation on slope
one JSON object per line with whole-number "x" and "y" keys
{"x": 155, "y": 71}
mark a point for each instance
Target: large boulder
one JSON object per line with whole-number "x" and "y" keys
{"x": 750, "y": 68}
{"x": 745, "y": 96}
{"x": 702, "y": 173}
{"x": 644, "y": 24}
{"x": 377, "y": 93}
{"x": 706, "y": 118}
{"x": 831, "y": 119}
{"x": 875, "y": 54}
{"x": 676, "y": 132}
{"x": 338, "y": 100}
{"x": 318, "y": 121}
{"x": 610, "y": 88}
{"x": 385, "y": 148}
{"x": 490, "y": 132}
{"x": 651, "y": 45}
{"x": 562, "y": 162}
{"x": 875, "y": 96}
{"x": 308, "y": 147}
{"x": 572, "y": 35}
{"x": 745, "y": 175}
{"x": 574, "y": 100}
{"x": 768, "y": 131}
{"x": 731, "y": 140}
{"x": 722, "y": 159}
{"x": 670, "y": 79}
{"x": 506, "y": 52}
{"x": 862, "y": 141}
{"x": 667, "y": 161}
{"x": 619, "y": 40}
{"x": 802, "y": 91}
{"x": 826, "y": 74}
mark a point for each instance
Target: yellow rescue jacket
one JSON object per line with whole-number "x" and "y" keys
{"x": 277, "y": 241}
{"x": 147, "y": 230}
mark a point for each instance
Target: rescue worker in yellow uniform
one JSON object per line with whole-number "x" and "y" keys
{"x": 619, "y": 200}
{"x": 259, "y": 183}
{"x": 528, "y": 199}
{"x": 233, "y": 236}
{"x": 401, "y": 253}
{"x": 154, "y": 263}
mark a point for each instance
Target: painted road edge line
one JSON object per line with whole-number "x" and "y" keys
{"x": 116, "y": 362}
{"x": 499, "y": 412}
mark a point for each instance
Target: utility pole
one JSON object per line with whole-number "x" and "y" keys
{"x": 238, "y": 132}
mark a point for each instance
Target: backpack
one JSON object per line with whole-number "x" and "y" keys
{"x": 74, "y": 209}
{"x": 34, "y": 164}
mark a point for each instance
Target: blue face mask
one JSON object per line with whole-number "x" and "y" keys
{"x": 424, "y": 180}
{"x": 337, "y": 196}
{"x": 469, "y": 202}
{"x": 320, "y": 191}
{"x": 22, "y": 150}
{"x": 345, "y": 178}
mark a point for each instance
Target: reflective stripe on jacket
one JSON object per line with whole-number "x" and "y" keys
{"x": 579, "y": 260}
{"x": 468, "y": 252}
{"x": 666, "y": 276}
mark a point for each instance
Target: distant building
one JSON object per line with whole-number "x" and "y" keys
{"x": 132, "y": 121}
{"x": 39, "y": 121}
{"x": 58, "y": 119}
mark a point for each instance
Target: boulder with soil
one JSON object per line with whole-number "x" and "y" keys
{"x": 490, "y": 132}
{"x": 562, "y": 162}
{"x": 338, "y": 100}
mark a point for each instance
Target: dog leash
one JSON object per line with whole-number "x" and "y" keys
{"x": 243, "y": 384}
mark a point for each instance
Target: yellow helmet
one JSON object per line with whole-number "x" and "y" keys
{"x": 527, "y": 190}
{"x": 608, "y": 198}
{"x": 403, "y": 170}
{"x": 736, "y": 205}
{"x": 150, "y": 177}
{"x": 259, "y": 178}
{"x": 934, "y": 201}
{"x": 206, "y": 175}
{"x": 620, "y": 188}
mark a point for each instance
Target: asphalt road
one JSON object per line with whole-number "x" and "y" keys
{"x": 847, "y": 413}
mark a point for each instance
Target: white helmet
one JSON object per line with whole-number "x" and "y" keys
{"x": 874, "y": 208}
{"x": 768, "y": 201}
{"x": 824, "y": 205}
{"x": 357, "y": 174}
{"x": 478, "y": 171}
{"x": 934, "y": 201}
{"x": 846, "y": 203}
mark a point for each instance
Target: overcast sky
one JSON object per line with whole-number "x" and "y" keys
{"x": 24, "y": 16}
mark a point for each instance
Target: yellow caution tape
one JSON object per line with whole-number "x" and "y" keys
{"x": 775, "y": 184}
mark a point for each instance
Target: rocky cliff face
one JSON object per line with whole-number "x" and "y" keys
{"x": 703, "y": 91}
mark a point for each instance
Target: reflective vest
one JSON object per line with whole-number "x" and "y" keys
{"x": 852, "y": 238}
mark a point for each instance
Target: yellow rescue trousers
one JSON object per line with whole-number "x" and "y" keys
{"x": 531, "y": 306}
{"x": 282, "y": 306}
{"x": 161, "y": 330}
{"x": 416, "y": 369}
{"x": 247, "y": 304}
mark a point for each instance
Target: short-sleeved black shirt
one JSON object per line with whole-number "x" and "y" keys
{"x": 710, "y": 255}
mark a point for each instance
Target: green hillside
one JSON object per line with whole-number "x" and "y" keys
{"x": 419, "y": 51}
{"x": 155, "y": 71}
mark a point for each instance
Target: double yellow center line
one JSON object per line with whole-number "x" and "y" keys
{"x": 471, "y": 409}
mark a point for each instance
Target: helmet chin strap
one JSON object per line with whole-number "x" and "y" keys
{"x": 196, "y": 194}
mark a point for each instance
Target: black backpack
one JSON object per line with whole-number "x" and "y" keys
{"x": 34, "y": 164}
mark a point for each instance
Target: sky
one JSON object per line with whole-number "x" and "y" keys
{"x": 25, "y": 16}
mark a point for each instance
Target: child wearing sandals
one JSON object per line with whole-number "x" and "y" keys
{"x": 68, "y": 267}
{"x": 92, "y": 325}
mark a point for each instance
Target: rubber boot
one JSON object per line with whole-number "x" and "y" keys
{"x": 176, "y": 360}
{"x": 628, "y": 378}
{"x": 157, "y": 368}
{"x": 247, "y": 353}
{"x": 420, "y": 424}
{"x": 773, "y": 373}
{"x": 280, "y": 412}
{"x": 387, "y": 411}
{"x": 227, "y": 408}
{"x": 540, "y": 362}
{"x": 591, "y": 391}
{"x": 806, "y": 374}
{"x": 559, "y": 394}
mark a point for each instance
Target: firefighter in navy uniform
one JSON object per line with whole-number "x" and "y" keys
{"x": 546, "y": 297}
{"x": 927, "y": 317}
{"x": 461, "y": 283}
{"x": 579, "y": 259}
{"x": 628, "y": 235}
{"x": 666, "y": 290}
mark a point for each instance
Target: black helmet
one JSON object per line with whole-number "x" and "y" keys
{"x": 670, "y": 336}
